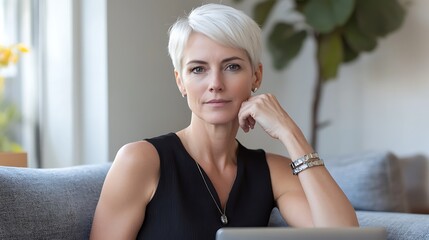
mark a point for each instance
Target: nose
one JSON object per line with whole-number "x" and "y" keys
{"x": 216, "y": 82}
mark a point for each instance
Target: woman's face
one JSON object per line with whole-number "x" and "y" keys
{"x": 216, "y": 79}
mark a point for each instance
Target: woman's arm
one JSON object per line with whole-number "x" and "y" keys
{"x": 311, "y": 198}
{"x": 128, "y": 188}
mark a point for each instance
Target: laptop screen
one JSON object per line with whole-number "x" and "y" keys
{"x": 282, "y": 233}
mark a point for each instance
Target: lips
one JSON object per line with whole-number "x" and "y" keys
{"x": 217, "y": 101}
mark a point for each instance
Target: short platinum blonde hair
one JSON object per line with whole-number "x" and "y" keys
{"x": 223, "y": 24}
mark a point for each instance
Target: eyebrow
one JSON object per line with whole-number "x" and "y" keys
{"x": 223, "y": 61}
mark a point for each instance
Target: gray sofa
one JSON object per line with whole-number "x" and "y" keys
{"x": 59, "y": 203}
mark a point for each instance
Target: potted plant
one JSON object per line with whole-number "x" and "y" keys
{"x": 11, "y": 153}
{"x": 341, "y": 29}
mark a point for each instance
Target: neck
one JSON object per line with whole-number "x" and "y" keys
{"x": 213, "y": 145}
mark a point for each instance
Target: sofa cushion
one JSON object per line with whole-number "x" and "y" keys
{"x": 49, "y": 203}
{"x": 372, "y": 181}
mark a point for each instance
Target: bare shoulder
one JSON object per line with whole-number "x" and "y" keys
{"x": 129, "y": 186}
{"x": 136, "y": 163}
{"x": 137, "y": 150}
{"x": 137, "y": 155}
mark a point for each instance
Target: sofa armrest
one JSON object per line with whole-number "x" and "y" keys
{"x": 398, "y": 225}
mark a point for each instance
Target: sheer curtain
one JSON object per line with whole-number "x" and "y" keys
{"x": 74, "y": 101}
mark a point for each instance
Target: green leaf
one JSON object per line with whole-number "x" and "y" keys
{"x": 329, "y": 55}
{"x": 378, "y": 18}
{"x": 356, "y": 39}
{"x": 349, "y": 54}
{"x": 284, "y": 44}
{"x": 325, "y": 15}
{"x": 262, "y": 11}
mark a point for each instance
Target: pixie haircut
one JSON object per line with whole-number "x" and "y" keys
{"x": 223, "y": 24}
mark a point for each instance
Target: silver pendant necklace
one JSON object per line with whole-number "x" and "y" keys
{"x": 223, "y": 217}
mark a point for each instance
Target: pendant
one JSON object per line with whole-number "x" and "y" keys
{"x": 224, "y": 219}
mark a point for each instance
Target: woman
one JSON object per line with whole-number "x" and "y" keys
{"x": 188, "y": 184}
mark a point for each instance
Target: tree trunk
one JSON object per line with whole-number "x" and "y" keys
{"x": 316, "y": 105}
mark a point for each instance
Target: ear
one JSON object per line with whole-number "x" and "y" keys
{"x": 257, "y": 77}
{"x": 179, "y": 83}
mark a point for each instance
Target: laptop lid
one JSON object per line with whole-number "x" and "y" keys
{"x": 285, "y": 233}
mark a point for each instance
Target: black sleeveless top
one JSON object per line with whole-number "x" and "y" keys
{"x": 182, "y": 208}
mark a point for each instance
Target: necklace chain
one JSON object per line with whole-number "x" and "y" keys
{"x": 223, "y": 217}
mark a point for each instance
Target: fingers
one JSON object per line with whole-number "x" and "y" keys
{"x": 245, "y": 119}
{"x": 249, "y": 124}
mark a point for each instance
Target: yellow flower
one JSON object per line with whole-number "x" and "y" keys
{"x": 22, "y": 48}
{"x": 11, "y": 54}
{"x": 5, "y": 54}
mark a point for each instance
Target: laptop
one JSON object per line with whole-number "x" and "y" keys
{"x": 286, "y": 233}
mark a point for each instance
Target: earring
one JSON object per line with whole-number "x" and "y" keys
{"x": 255, "y": 89}
{"x": 183, "y": 95}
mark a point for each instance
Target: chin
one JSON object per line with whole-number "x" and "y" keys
{"x": 221, "y": 120}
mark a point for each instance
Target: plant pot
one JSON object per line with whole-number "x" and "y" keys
{"x": 13, "y": 159}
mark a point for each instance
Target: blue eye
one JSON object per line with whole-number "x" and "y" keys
{"x": 233, "y": 67}
{"x": 197, "y": 70}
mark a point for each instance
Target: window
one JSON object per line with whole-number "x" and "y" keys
{"x": 63, "y": 122}
{"x": 19, "y": 24}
